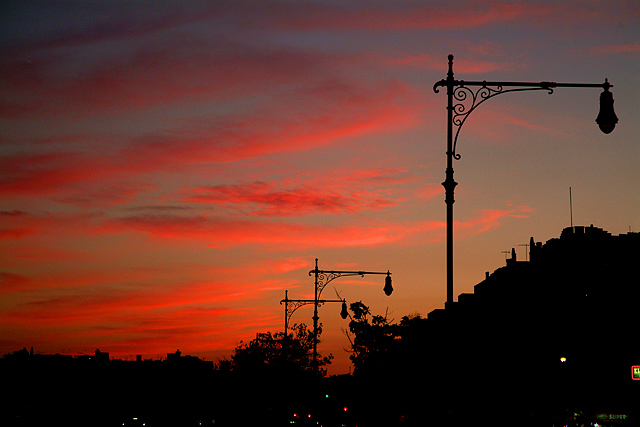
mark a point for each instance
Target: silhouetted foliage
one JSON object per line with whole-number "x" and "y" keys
{"x": 273, "y": 354}
{"x": 372, "y": 339}
{"x": 376, "y": 343}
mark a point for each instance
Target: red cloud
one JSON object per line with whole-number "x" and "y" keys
{"x": 22, "y": 225}
{"x": 41, "y": 174}
{"x": 617, "y": 49}
{"x": 166, "y": 68}
{"x": 307, "y": 118}
{"x": 331, "y": 111}
{"x": 14, "y": 225}
{"x": 183, "y": 68}
{"x": 335, "y": 194}
{"x": 465, "y": 65}
{"x": 225, "y": 232}
{"x": 264, "y": 199}
{"x": 10, "y": 282}
{"x": 156, "y": 320}
{"x": 346, "y": 191}
{"x": 377, "y": 16}
{"x": 268, "y": 201}
{"x": 145, "y": 320}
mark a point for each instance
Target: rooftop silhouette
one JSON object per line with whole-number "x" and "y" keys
{"x": 552, "y": 334}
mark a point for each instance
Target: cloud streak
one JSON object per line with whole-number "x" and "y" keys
{"x": 349, "y": 194}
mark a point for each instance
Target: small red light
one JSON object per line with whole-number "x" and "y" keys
{"x": 344, "y": 409}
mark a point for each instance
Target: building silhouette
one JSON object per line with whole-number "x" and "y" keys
{"x": 95, "y": 390}
{"x": 548, "y": 341}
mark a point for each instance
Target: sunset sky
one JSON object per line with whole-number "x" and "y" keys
{"x": 169, "y": 168}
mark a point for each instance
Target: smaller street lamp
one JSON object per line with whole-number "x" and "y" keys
{"x": 322, "y": 279}
{"x": 291, "y": 305}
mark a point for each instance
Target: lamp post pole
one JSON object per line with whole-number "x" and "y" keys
{"x": 461, "y": 101}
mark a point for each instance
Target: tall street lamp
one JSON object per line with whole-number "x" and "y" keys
{"x": 467, "y": 100}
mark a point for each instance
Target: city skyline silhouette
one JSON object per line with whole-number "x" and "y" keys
{"x": 546, "y": 361}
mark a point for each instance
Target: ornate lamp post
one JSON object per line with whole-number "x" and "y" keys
{"x": 467, "y": 100}
{"x": 322, "y": 279}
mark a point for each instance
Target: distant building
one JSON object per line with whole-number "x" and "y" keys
{"x": 174, "y": 356}
{"x": 102, "y": 356}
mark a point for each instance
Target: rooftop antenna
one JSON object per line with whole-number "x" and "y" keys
{"x": 526, "y": 254}
{"x": 571, "y": 208}
{"x": 506, "y": 254}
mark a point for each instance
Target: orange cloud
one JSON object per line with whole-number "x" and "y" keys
{"x": 223, "y": 232}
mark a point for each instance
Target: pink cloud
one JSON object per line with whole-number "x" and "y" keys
{"x": 429, "y": 61}
{"x": 180, "y": 68}
{"x": 82, "y": 25}
{"x": 617, "y": 49}
{"x": 42, "y": 173}
{"x": 337, "y": 111}
{"x": 489, "y": 219}
{"x": 377, "y": 16}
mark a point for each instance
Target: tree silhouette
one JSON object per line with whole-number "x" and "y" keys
{"x": 374, "y": 340}
{"x": 276, "y": 355}
{"x": 269, "y": 378}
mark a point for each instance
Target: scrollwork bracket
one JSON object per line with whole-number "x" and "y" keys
{"x": 466, "y": 101}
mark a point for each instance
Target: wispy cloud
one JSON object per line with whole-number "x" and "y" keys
{"x": 355, "y": 192}
{"x": 489, "y": 219}
{"x": 616, "y": 49}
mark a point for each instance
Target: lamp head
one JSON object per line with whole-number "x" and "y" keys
{"x": 388, "y": 289}
{"x": 344, "y": 313}
{"x": 607, "y": 118}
